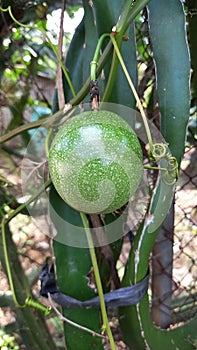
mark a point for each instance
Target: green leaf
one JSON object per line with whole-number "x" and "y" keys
{"x": 193, "y": 44}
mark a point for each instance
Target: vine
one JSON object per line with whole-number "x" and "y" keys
{"x": 98, "y": 280}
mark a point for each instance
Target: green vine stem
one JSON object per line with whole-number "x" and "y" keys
{"x": 156, "y": 151}
{"x": 112, "y": 75}
{"x": 3, "y": 226}
{"x": 29, "y": 201}
{"x": 94, "y": 62}
{"x": 47, "y": 122}
{"x": 8, "y": 9}
{"x": 121, "y": 25}
{"x": 98, "y": 280}
{"x": 22, "y": 128}
{"x": 73, "y": 102}
{"x": 139, "y": 104}
{"x": 130, "y": 11}
{"x": 93, "y": 65}
{"x": 5, "y": 222}
{"x": 28, "y": 301}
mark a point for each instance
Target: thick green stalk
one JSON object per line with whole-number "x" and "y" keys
{"x": 136, "y": 7}
{"x": 171, "y": 55}
{"x": 192, "y": 8}
{"x": 122, "y": 23}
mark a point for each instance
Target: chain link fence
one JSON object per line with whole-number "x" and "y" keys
{"x": 173, "y": 284}
{"x": 185, "y": 239}
{"x": 173, "y": 262}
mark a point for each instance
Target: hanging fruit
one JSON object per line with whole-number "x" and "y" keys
{"x": 95, "y": 162}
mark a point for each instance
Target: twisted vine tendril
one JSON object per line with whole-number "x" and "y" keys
{"x": 160, "y": 151}
{"x": 36, "y": 305}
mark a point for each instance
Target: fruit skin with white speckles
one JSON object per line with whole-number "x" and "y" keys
{"x": 95, "y": 162}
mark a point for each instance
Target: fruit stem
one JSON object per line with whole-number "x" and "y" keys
{"x": 98, "y": 280}
{"x": 94, "y": 62}
{"x": 139, "y": 104}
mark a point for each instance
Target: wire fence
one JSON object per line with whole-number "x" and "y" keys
{"x": 173, "y": 262}
{"x": 185, "y": 239}
{"x": 174, "y": 265}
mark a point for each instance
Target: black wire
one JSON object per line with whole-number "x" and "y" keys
{"x": 125, "y": 296}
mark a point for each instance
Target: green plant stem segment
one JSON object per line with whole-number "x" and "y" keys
{"x": 121, "y": 30}
{"x": 28, "y": 301}
{"x": 94, "y": 62}
{"x": 29, "y": 201}
{"x": 8, "y": 9}
{"x": 98, "y": 281}
{"x": 8, "y": 264}
{"x": 129, "y": 12}
{"x": 121, "y": 25}
{"x": 5, "y": 221}
{"x": 31, "y": 325}
{"x": 46, "y": 122}
{"x": 93, "y": 77}
{"x": 171, "y": 56}
{"x": 134, "y": 92}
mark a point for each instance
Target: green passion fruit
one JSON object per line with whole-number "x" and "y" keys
{"x": 95, "y": 162}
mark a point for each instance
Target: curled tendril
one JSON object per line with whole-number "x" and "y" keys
{"x": 172, "y": 169}
{"x": 36, "y": 305}
{"x": 160, "y": 151}
{"x": 168, "y": 178}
